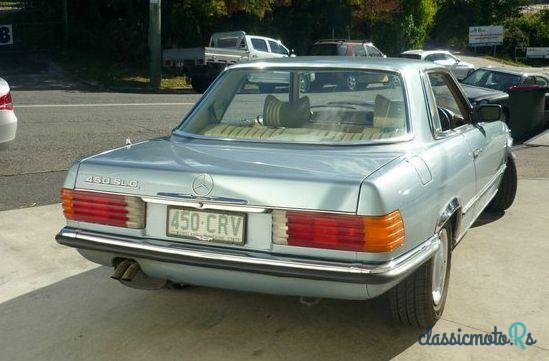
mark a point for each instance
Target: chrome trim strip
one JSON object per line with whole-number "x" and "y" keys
{"x": 247, "y": 262}
{"x": 200, "y": 204}
{"x": 207, "y": 204}
{"x": 474, "y": 219}
{"x": 477, "y": 196}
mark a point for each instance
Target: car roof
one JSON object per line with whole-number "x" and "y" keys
{"x": 425, "y": 52}
{"x": 387, "y": 64}
{"x": 341, "y": 41}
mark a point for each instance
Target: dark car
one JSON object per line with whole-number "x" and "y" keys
{"x": 490, "y": 85}
{"x": 348, "y": 81}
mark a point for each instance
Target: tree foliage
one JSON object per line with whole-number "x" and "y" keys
{"x": 118, "y": 28}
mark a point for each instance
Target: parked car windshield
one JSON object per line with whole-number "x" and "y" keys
{"x": 492, "y": 79}
{"x": 298, "y": 106}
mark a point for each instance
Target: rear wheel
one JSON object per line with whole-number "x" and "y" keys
{"x": 507, "y": 190}
{"x": 419, "y": 300}
{"x": 200, "y": 84}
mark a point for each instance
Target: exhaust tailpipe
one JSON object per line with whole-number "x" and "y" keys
{"x": 131, "y": 271}
{"x": 120, "y": 269}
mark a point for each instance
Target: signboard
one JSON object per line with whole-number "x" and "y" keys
{"x": 6, "y": 35}
{"x": 537, "y": 53}
{"x": 485, "y": 35}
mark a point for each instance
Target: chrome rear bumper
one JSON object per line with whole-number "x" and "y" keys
{"x": 253, "y": 262}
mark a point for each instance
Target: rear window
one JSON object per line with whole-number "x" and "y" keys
{"x": 411, "y": 56}
{"x": 272, "y": 106}
{"x": 328, "y": 49}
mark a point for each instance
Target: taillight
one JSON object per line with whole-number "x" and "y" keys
{"x": 336, "y": 231}
{"x": 5, "y": 102}
{"x": 104, "y": 208}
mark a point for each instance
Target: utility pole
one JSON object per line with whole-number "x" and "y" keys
{"x": 155, "y": 48}
{"x": 65, "y": 25}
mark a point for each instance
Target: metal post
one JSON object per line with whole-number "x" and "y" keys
{"x": 155, "y": 48}
{"x": 65, "y": 25}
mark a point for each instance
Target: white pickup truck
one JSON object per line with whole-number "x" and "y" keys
{"x": 202, "y": 65}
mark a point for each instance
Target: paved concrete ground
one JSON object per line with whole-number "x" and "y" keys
{"x": 54, "y": 305}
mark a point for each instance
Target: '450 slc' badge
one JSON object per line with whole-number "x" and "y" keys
{"x": 118, "y": 182}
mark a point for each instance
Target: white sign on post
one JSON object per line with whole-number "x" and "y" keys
{"x": 6, "y": 35}
{"x": 537, "y": 52}
{"x": 485, "y": 35}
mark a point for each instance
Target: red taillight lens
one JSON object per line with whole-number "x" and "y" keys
{"x": 5, "y": 102}
{"x": 336, "y": 231}
{"x": 104, "y": 208}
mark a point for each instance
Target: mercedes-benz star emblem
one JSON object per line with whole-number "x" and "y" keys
{"x": 202, "y": 185}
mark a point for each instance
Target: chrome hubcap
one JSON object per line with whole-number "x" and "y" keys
{"x": 351, "y": 82}
{"x": 440, "y": 261}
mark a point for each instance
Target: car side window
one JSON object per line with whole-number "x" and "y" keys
{"x": 530, "y": 80}
{"x": 431, "y": 57}
{"x": 275, "y": 47}
{"x": 541, "y": 81}
{"x": 358, "y": 50}
{"x": 260, "y": 45}
{"x": 373, "y": 52}
{"x": 451, "y": 109}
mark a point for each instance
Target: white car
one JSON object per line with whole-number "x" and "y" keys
{"x": 8, "y": 121}
{"x": 459, "y": 67}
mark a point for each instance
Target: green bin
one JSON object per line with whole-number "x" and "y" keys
{"x": 526, "y": 110}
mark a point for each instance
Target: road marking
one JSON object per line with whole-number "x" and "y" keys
{"x": 95, "y": 105}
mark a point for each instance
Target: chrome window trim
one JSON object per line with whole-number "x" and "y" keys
{"x": 439, "y": 133}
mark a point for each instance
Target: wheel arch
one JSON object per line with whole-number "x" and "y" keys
{"x": 450, "y": 213}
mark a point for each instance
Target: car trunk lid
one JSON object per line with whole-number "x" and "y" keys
{"x": 273, "y": 176}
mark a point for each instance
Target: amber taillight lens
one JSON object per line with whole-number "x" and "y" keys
{"x": 337, "y": 231}
{"x": 103, "y": 208}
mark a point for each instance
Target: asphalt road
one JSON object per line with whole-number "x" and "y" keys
{"x": 65, "y": 121}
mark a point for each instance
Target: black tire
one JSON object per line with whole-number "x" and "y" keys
{"x": 412, "y": 300}
{"x": 200, "y": 84}
{"x": 507, "y": 188}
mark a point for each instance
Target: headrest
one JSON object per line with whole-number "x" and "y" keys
{"x": 388, "y": 113}
{"x": 277, "y": 113}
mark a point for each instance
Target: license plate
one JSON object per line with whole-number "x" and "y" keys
{"x": 222, "y": 227}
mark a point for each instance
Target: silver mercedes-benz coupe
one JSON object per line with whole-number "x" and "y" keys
{"x": 326, "y": 193}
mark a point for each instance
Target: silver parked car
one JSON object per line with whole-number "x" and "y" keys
{"x": 8, "y": 120}
{"x": 459, "y": 67}
{"x": 337, "y": 194}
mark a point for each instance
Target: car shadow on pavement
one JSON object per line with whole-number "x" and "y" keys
{"x": 90, "y": 317}
{"x": 487, "y": 217}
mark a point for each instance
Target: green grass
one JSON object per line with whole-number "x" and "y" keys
{"x": 100, "y": 70}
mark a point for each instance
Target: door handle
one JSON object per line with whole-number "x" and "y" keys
{"x": 477, "y": 152}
